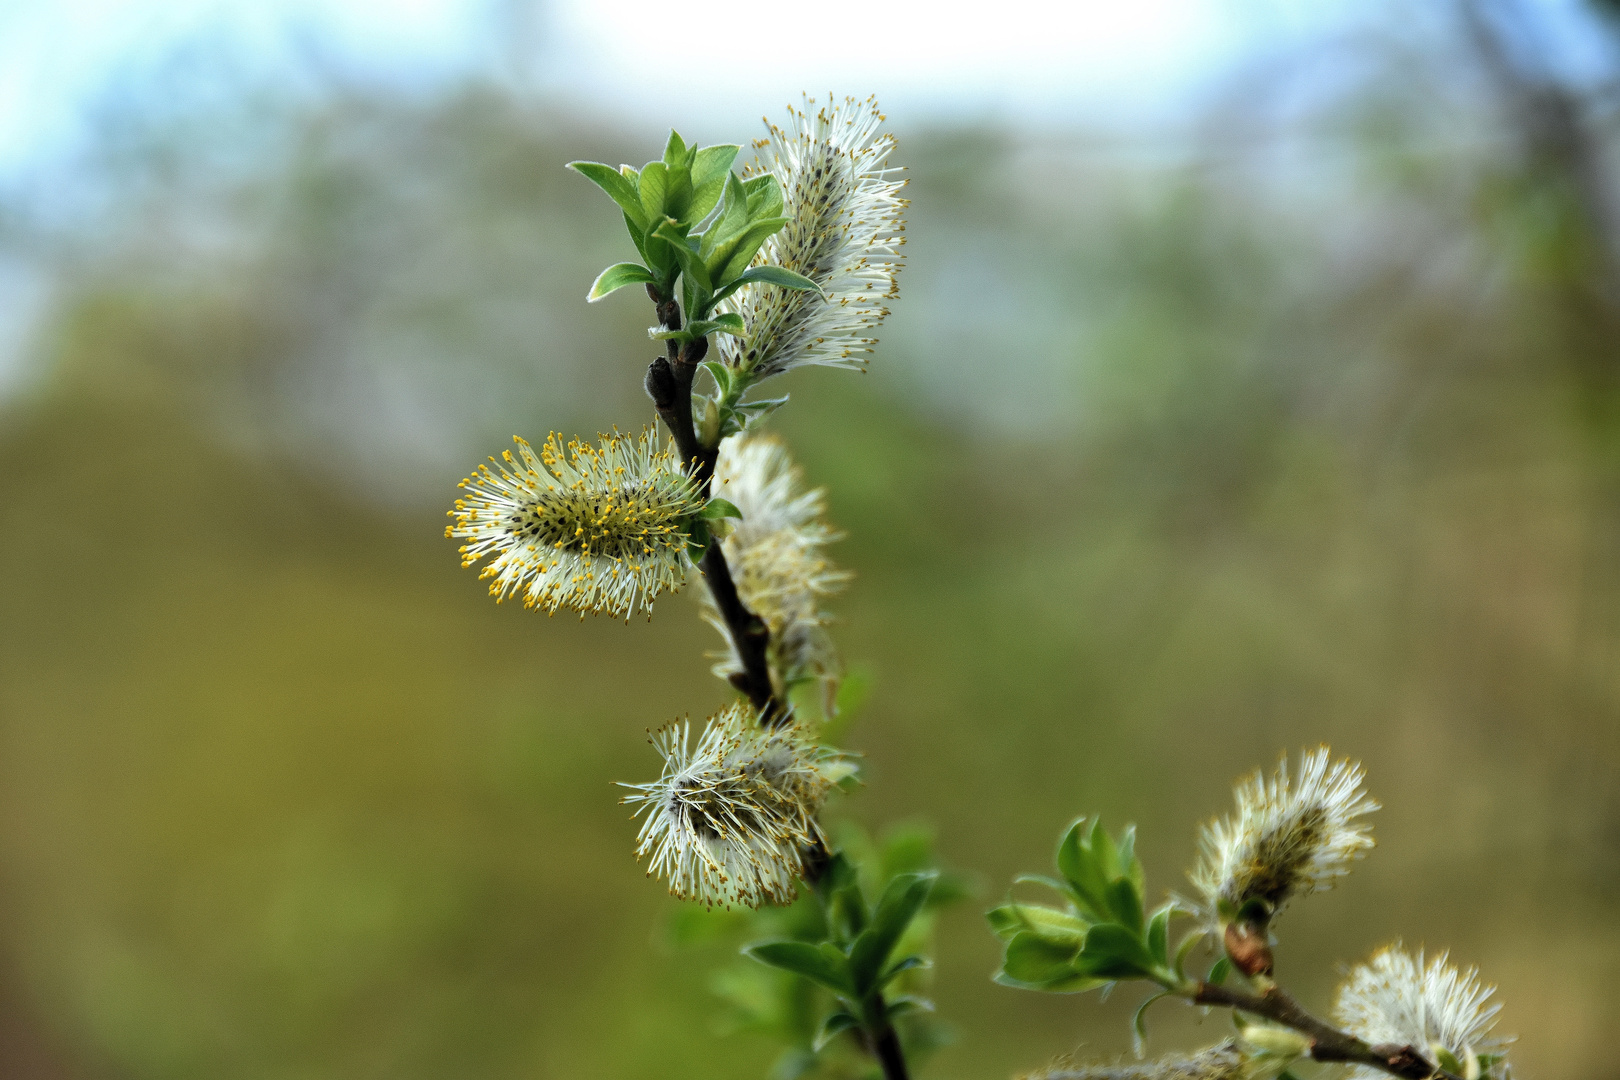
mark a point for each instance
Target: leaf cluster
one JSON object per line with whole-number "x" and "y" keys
{"x": 835, "y": 963}
{"x": 696, "y": 223}
{"x": 1101, "y": 933}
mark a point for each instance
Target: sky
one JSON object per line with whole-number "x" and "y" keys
{"x": 1009, "y": 60}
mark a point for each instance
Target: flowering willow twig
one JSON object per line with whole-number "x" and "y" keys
{"x": 669, "y": 384}
{"x": 1327, "y": 1043}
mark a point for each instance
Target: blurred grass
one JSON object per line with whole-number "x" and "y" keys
{"x": 284, "y": 795}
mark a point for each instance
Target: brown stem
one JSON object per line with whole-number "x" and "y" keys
{"x": 669, "y": 384}
{"x": 886, "y": 1048}
{"x": 1327, "y": 1043}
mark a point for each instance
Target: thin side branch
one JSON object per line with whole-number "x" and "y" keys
{"x": 669, "y": 384}
{"x": 1327, "y": 1043}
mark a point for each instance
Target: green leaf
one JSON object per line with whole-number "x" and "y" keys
{"x": 675, "y": 155}
{"x": 697, "y": 539}
{"x": 1184, "y": 950}
{"x": 654, "y": 188}
{"x": 721, "y": 374}
{"x": 681, "y": 245}
{"x": 840, "y": 890}
{"x": 620, "y": 188}
{"x": 781, "y": 277}
{"x": 902, "y": 899}
{"x": 835, "y": 1025}
{"x": 1103, "y": 852}
{"x": 1073, "y": 984}
{"x": 1158, "y": 936}
{"x": 902, "y": 965}
{"x": 907, "y": 1003}
{"x": 1042, "y": 879}
{"x": 1035, "y": 961}
{"x": 1077, "y": 863}
{"x": 716, "y": 509}
{"x": 803, "y": 958}
{"x": 1139, "y": 1024}
{"x": 1126, "y": 904}
{"x": 1219, "y": 971}
{"x": 763, "y": 196}
{"x": 617, "y": 277}
{"x": 728, "y": 323}
{"x": 1010, "y": 918}
{"x": 710, "y": 168}
{"x": 731, "y": 257}
{"x": 769, "y": 275}
{"x": 1113, "y": 952}
{"x": 1129, "y": 864}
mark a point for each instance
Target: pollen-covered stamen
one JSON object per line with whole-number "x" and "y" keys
{"x": 592, "y": 528}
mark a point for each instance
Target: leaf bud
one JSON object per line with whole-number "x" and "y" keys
{"x": 1247, "y": 947}
{"x": 660, "y": 383}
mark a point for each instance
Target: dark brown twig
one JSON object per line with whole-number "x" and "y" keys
{"x": 886, "y": 1048}
{"x": 669, "y": 384}
{"x": 1327, "y": 1043}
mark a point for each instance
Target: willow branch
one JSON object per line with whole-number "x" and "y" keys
{"x": 669, "y": 384}
{"x": 1327, "y": 1043}
{"x": 886, "y": 1048}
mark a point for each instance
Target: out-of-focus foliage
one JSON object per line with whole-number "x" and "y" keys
{"x": 1173, "y": 457}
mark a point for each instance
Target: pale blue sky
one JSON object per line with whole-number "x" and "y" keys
{"x": 1008, "y": 58}
{"x": 1030, "y": 61}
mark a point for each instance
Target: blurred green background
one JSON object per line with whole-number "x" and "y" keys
{"x": 1290, "y": 416}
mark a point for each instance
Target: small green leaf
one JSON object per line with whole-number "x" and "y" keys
{"x": 770, "y": 275}
{"x": 1219, "y": 971}
{"x": 1042, "y": 879}
{"x": 1126, "y": 904}
{"x": 1104, "y": 853}
{"x": 697, "y": 539}
{"x": 731, "y": 257}
{"x": 620, "y": 188}
{"x": 803, "y": 958}
{"x": 1113, "y": 952}
{"x": 904, "y": 964}
{"x": 835, "y": 1025}
{"x": 721, "y": 374}
{"x": 654, "y": 188}
{"x": 907, "y": 1003}
{"x": 728, "y": 323}
{"x": 1158, "y": 936}
{"x": 715, "y": 509}
{"x": 1037, "y": 962}
{"x": 710, "y": 168}
{"x": 1073, "y": 984}
{"x": 902, "y": 899}
{"x": 617, "y": 277}
{"x": 674, "y": 234}
{"x": 1010, "y": 918}
{"x": 1184, "y": 950}
{"x": 1076, "y": 861}
{"x": 675, "y": 151}
{"x": 1139, "y": 1024}
{"x": 763, "y": 195}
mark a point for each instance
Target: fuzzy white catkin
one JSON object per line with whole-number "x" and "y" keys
{"x": 1288, "y": 838}
{"x": 845, "y": 230}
